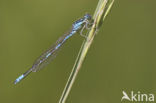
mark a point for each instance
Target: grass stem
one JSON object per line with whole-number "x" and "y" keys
{"x": 101, "y": 12}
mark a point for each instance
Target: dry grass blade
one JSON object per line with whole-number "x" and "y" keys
{"x": 101, "y": 12}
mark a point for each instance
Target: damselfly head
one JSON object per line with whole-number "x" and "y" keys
{"x": 88, "y": 16}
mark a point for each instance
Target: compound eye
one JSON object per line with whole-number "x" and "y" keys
{"x": 88, "y": 16}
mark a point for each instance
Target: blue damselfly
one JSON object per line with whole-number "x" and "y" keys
{"x": 50, "y": 54}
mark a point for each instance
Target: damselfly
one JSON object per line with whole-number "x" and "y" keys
{"x": 50, "y": 54}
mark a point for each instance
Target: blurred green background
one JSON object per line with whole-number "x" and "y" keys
{"x": 122, "y": 56}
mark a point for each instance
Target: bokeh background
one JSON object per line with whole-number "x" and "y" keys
{"x": 122, "y": 56}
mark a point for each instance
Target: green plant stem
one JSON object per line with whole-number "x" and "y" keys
{"x": 101, "y": 11}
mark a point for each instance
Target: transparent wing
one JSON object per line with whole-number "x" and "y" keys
{"x": 51, "y": 53}
{"x": 45, "y": 58}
